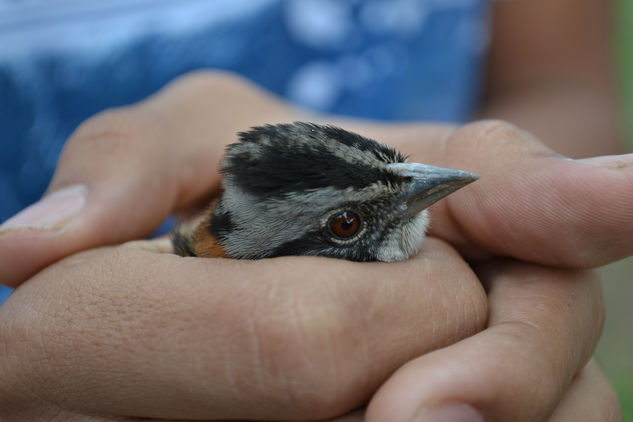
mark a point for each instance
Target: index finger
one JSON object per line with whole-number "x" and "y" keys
{"x": 529, "y": 203}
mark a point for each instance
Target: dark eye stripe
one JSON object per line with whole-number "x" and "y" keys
{"x": 313, "y": 244}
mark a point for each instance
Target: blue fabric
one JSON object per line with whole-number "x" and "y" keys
{"x": 5, "y": 292}
{"x": 63, "y": 61}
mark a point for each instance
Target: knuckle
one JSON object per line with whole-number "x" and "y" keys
{"x": 231, "y": 87}
{"x": 234, "y": 90}
{"x": 492, "y": 138}
{"x": 487, "y": 126}
{"x": 499, "y": 131}
{"x": 111, "y": 144}
{"x": 112, "y": 132}
{"x": 211, "y": 79}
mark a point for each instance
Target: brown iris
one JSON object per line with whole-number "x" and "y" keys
{"x": 345, "y": 224}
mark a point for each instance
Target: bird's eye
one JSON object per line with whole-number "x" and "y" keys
{"x": 345, "y": 224}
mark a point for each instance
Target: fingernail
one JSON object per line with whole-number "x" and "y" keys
{"x": 53, "y": 212}
{"x": 448, "y": 412}
{"x": 609, "y": 161}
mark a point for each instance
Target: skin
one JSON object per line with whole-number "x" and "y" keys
{"x": 118, "y": 332}
{"x": 551, "y": 71}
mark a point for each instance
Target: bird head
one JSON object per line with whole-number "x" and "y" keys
{"x": 308, "y": 189}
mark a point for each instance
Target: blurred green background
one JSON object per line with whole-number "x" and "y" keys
{"x": 615, "y": 351}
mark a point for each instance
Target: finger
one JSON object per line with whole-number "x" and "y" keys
{"x": 543, "y": 326}
{"x": 124, "y": 171}
{"x": 590, "y": 398}
{"x": 539, "y": 207}
{"x": 529, "y": 203}
{"x": 128, "y": 332}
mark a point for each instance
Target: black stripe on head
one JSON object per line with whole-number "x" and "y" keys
{"x": 299, "y": 157}
{"x": 380, "y": 151}
{"x": 313, "y": 244}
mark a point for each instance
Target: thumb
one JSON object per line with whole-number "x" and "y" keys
{"x": 124, "y": 171}
{"x": 114, "y": 182}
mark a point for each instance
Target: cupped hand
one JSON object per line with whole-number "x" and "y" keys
{"x": 108, "y": 335}
{"x": 124, "y": 171}
{"x": 132, "y": 332}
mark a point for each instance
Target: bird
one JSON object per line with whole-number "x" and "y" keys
{"x": 312, "y": 189}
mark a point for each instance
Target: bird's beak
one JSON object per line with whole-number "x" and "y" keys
{"x": 428, "y": 184}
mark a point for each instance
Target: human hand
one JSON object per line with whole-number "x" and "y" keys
{"x": 131, "y": 332}
{"x": 124, "y": 332}
{"x": 108, "y": 335}
{"x": 112, "y": 214}
{"x": 123, "y": 172}
{"x": 532, "y": 205}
